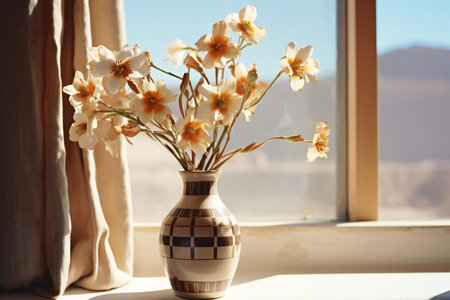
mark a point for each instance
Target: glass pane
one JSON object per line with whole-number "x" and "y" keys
{"x": 273, "y": 183}
{"x": 414, "y": 107}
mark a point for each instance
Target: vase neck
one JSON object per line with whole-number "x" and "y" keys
{"x": 200, "y": 183}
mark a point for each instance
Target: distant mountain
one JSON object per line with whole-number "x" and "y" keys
{"x": 414, "y": 104}
{"x": 416, "y": 62}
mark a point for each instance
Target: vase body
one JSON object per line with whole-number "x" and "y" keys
{"x": 200, "y": 240}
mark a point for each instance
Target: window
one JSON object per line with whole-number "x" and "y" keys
{"x": 274, "y": 183}
{"x": 348, "y": 246}
{"x": 414, "y": 84}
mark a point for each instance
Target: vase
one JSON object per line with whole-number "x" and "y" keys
{"x": 200, "y": 240}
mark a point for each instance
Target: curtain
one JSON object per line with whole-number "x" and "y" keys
{"x": 65, "y": 213}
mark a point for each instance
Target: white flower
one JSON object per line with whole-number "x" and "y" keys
{"x": 83, "y": 92}
{"x": 176, "y": 51}
{"x": 243, "y": 24}
{"x": 109, "y": 129}
{"x": 193, "y": 133}
{"x": 299, "y": 66}
{"x": 81, "y": 131}
{"x": 252, "y": 89}
{"x": 117, "y": 68}
{"x": 320, "y": 142}
{"x": 152, "y": 103}
{"x": 218, "y": 46}
{"x": 222, "y": 101}
{"x": 120, "y": 100}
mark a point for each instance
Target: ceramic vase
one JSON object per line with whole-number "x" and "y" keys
{"x": 200, "y": 240}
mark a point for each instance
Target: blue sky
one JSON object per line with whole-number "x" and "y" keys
{"x": 154, "y": 24}
{"x": 405, "y": 23}
{"x": 401, "y": 23}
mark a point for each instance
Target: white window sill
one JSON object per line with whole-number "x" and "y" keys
{"x": 386, "y": 286}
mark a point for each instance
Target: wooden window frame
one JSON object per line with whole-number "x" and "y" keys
{"x": 362, "y": 112}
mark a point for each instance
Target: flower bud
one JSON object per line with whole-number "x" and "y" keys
{"x": 184, "y": 83}
{"x": 133, "y": 86}
{"x": 130, "y": 129}
{"x": 295, "y": 139}
{"x": 194, "y": 61}
{"x": 252, "y": 75}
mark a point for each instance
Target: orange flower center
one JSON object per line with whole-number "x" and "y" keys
{"x": 245, "y": 25}
{"x": 81, "y": 129}
{"x": 121, "y": 69}
{"x": 86, "y": 91}
{"x": 219, "y": 46}
{"x": 243, "y": 85}
{"x": 298, "y": 70}
{"x": 191, "y": 131}
{"x": 220, "y": 104}
{"x": 152, "y": 102}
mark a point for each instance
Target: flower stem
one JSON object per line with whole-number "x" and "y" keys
{"x": 217, "y": 76}
{"x": 168, "y": 73}
{"x": 216, "y": 148}
{"x": 268, "y": 88}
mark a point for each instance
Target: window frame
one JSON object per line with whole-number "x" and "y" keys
{"x": 362, "y": 109}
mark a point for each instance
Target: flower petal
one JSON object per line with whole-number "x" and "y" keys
{"x": 105, "y": 53}
{"x": 70, "y": 90}
{"x": 161, "y": 116}
{"x": 179, "y": 124}
{"x": 312, "y": 154}
{"x": 125, "y": 52}
{"x": 207, "y": 91}
{"x": 88, "y": 141}
{"x": 296, "y": 83}
{"x": 80, "y": 117}
{"x": 182, "y": 144}
{"x": 137, "y": 61}
{"x": 204, "y": 42}
{"x": 198, "y": 148}
{"x": 291, "y": 51}
{"x": 78, "y": 80}
{"x": 103, "y": 68}
{"x": 206, "y": 113}
{"x": 227, "y": 86}
{"x": 232, "y": 51}
{"x": 285, "y": 66}
{"x": 240, "y": 71}
{"x": 113, "y": 84}
{"x": 248, "y": 13}
{"x": 304, "y": 53}
{"x": 220, "y": 29}
{"x": 209, "y": 61}
{"x": 105, "y": 131}
{"x": 232, "y": 21}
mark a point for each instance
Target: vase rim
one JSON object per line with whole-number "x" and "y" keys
{"x": 200, "y": 175}
{"x": 200, "y": 172}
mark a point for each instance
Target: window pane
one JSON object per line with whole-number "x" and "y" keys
{"x": 414, "y": 107}
{"x": 273, "y": 183}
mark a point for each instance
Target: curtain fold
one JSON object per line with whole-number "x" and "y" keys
{"x": 65, "y": 213}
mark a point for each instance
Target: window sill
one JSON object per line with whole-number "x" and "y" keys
{"x": 329, "y": 247}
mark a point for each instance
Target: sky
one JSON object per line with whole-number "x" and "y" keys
{"x": 154, "y": 24}
{"x": 405, "y": 23}
{"x": 400, "y": 23}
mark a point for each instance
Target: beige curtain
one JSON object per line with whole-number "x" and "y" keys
{"x": 65, "y": 214}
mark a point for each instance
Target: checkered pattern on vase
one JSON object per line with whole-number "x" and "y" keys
{"x": 199, "y": 234}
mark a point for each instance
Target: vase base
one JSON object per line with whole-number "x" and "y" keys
{"x": 187, "y": 295}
